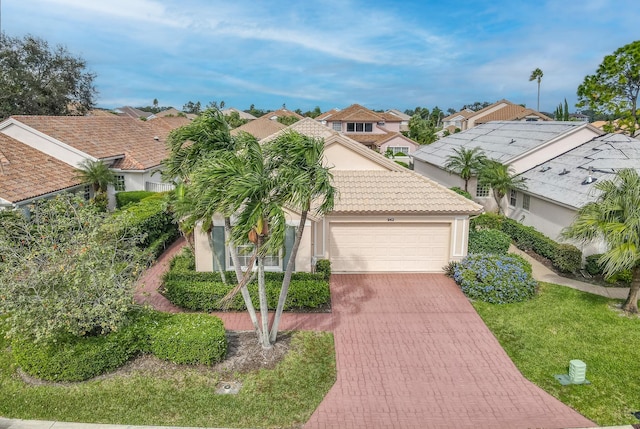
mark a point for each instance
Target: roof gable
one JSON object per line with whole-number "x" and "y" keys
{"x": 259, "y": 128}
{"x": 358, "y": 113}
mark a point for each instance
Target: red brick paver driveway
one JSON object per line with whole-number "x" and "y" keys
{"x": 412, "y": 353}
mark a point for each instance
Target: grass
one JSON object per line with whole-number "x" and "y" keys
{"x": 542, "y": 335}
{"x": 282, "y": 397}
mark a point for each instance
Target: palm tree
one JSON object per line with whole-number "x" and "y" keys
{"x": 501, "y": 180}
{"x": 303, "y": 181}
{"x": 95, "y": 173}
{"x": 537, "y": 75}
{"x": 466, "y": 163}
{"x": 615, "y": 218}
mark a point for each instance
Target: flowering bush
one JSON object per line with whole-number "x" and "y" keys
{"x": 498, "y": 279}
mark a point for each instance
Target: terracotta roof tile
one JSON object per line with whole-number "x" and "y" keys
{"x": 27, "y": 173}
{"x": 356, "y": 112}
{"x": 281, "y": 112}
{"x": 259, "y": 128}
{"x": 396, "y": 192}
{"x": 308, "y": 127}
{"x": 141, "y": 143}
{"x": 511, "y": 112}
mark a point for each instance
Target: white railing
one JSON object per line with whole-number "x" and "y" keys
{"x": 158, "y": 186}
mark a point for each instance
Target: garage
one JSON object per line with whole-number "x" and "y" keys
{"x": 388, "y": 247}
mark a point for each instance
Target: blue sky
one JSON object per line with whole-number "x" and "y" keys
{"x": 379, "y": 53}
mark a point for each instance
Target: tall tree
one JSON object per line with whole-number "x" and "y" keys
{"x": 614, "y": 88}
{"x": 615, "y": 218}
{"x": 422, "y": 130}
{"x": 537, "y": 76}
{"x": 466, "y": 163}
{"x": 193, "y": 108}
{"x": 501, "y": 179}
{"x": 36, "y": 79}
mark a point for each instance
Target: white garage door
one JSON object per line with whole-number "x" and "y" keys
{"x": 388, "y": 247}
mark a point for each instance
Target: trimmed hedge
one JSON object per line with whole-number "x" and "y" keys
{"x": 80, "y": 358}
{"x": 462, "y": 192}
{"x": 497, "y": 279}
{"x": 323, "y": 266}
{"x": 593, "y": 267}
{"x": 489, "y": 241}
{"x": 190, "y": 339}
{"x": 129, "y": 197}
{"x": 565, "y": 257}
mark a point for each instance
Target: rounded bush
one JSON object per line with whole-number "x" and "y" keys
{"x": 497, "y": 279}
{"x": 190, "y": 339}
{"x": 74, "y": 358}
{"x": 489, "y": 241}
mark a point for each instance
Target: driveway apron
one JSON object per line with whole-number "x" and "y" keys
{"x": 411, "y": 352}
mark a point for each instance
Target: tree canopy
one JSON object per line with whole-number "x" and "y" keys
{"x": 36, "y": 79}
{"x": 466, "y": 163}
{"x": 613, "y": 89}
{"x": 500, "y": 178}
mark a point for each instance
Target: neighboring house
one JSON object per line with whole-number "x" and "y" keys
{"x": 558, "y": 160}
{"x": 259, "y": 128}
{"x": 377, "y": 131}
{"x": 404, "y": 125}
{"x": 133, "y": 149}
{"x": 385, "y": 218}
{"x": 241, "y": 113}
{"x": 280, "y": 113}
{"x": 325, "y": 115}
{"x": 578, "y": 117}
{"x": 502, "y": 110}
{"x": 172, "y": 111}
{"x": 132, "y": 112}
{"x": 26, "y": 174}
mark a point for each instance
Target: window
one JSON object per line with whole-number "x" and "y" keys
{"x": 337, "y": 126}
{"x": 86, "y": 192}
{"x": 119, "y": 183}
{"x": 513, "y": 197}
{"x": 526, "y": 201}
{"x": 399, "y": 149}
{"x": 482, "y": 190}
{"x": 246, "y": 251}
{"x": 359, "y": 127}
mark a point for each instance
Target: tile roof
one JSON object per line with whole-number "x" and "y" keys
{"x": 241, "y": 113}
{"x": 511, "y": 112}
{"x": 28, "y": 173}
{"x": 356, "y": 112}
{"x": 466, "y": 113}
{"x": 307, "y": 126}
{"x": 259, "y": 128}
{"x": 132, "y": 112}
{"x": 327, "y": 114}
{"x": 561, "y": 179}
{"x": 281, "y": 112}
{"x": 499, "y": 140}
{"x": 141, "y": 144}
{"x": 399, "y": 114}
{"x": 396, "y": 192}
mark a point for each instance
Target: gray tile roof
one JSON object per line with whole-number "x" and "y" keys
{"x": 561, "y": 179}
{"x": 499, "y": 140}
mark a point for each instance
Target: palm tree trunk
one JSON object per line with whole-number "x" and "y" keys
{"x": 287, "y": 278}
{"x": 631, "y": 304}
{"x": 538, "y": 95}
{"x": 240, "y": 277}
{"x": 262, "y": 294}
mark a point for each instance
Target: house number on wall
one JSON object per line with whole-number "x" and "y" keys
{"x": 390, "y": 219}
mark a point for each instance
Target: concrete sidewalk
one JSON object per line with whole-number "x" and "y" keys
{"x": 544, "y": 274}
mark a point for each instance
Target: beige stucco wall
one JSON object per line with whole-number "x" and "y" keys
{"x": 439, "y": 175}
{"x": 341, "y": 158}
{"x": 399, "y": 141}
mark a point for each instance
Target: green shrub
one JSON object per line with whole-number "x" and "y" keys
{"x": 486, "y": 221}
{"x": 75, "y": 358}
{"x": 489, "y": 241}
{"x": 190, "y": 339}
{"x": 567, "y": 258}
{"x": 497, "y": 279}
{"x": 592, "y": 266}
{"x": 462, "y": 192}
{"x": 147, "y": 216}
{"x": 624, "y": 277}
{"x": 125, "y": 198}
{"x": 323, "y": 266}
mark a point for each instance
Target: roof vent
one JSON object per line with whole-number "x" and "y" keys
{"x": 545, "y": 168}
{"x": 563, "y": 172}
{"x": 156, "y": 138}
{"x": 512, "y": 141}
{"x": 589, "y": 180}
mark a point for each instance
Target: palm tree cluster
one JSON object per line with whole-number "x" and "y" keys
{"x": 237, "y": 176}
{"x": 468, "y": 163}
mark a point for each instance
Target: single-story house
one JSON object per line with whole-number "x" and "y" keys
{"x": 502, "y": 110}
{"x": 133, "y": 149}
{"x": 386, "y": 218}
{"x": 560, "y": 162}
{"x": 241, "y": 113}
{"x": 259, "y": 128}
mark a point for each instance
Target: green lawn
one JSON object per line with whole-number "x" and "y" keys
{"x": 282, "y": 397}
{"x": 542, "y": 335}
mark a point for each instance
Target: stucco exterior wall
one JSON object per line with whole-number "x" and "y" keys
{"x": 439, "y": 175}
{"x": 399, "y": 141}
{"x": 342, "y": 158}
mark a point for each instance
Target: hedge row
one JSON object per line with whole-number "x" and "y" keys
{"x": 179, "y": 338}
{"x": 123, "y": 199}
{"x": 489, "y": 241}
{"x": 202, "y": 291}
{"x": 565, "y": 257}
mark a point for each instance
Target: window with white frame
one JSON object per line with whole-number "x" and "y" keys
{"x": 119, "y": 183}
{"x": 337, "y": 126}
{"x": 399, "y": 150}
{"x": 359, "y": 127}
{"x": 526, "y": 201}
{"x": 482, "y": 190}
{"x": 513, "y": 197}
{"x": 245, "y": 252}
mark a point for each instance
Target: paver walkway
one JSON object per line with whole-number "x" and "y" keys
{"x": 412, "y": 353}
